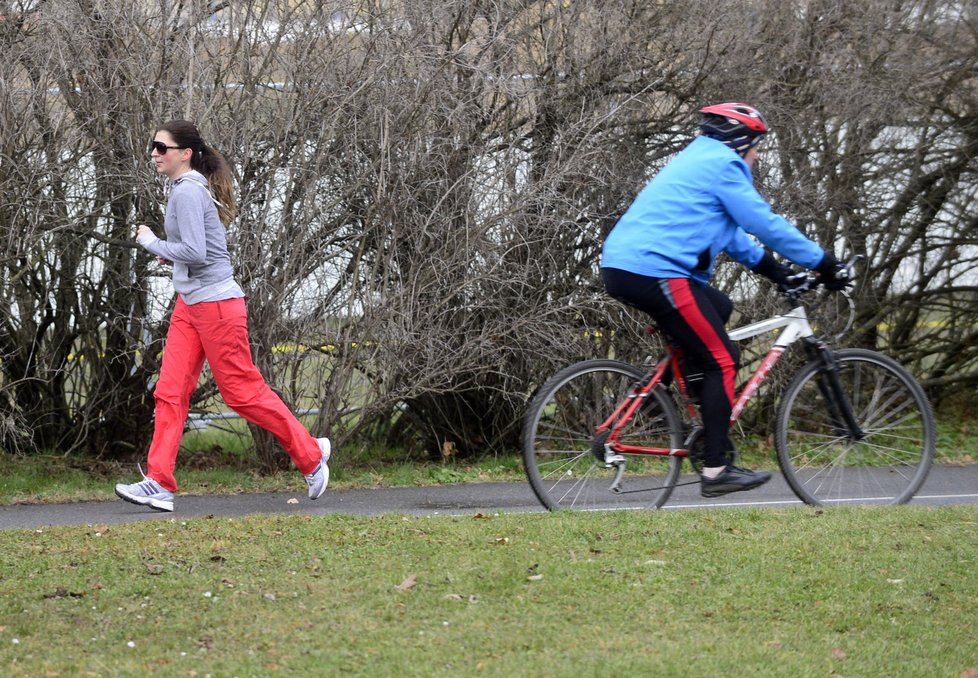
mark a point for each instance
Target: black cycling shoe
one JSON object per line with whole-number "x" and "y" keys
{"x": 733, "y": 479}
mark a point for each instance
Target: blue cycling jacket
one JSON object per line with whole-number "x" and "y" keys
{"x": 703, "y": 202}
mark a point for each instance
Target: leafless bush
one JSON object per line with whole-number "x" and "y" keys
{"x": 425, "y": 187}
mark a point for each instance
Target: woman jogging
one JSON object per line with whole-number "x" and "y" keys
{"x": 659, "y": 259}
{"x": 209, "y": 320}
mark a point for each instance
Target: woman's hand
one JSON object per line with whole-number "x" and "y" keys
{"x": 145, "y": 235}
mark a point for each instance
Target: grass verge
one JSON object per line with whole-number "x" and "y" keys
{"x": 45, "y": 478}
{"x": 799, "y": 592}
{"x": 220, "y": 461}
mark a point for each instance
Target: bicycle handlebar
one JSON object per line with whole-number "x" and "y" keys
{"x": 810, "y": 281}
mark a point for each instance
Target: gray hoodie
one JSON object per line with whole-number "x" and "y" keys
{"x": 196, "y": 243}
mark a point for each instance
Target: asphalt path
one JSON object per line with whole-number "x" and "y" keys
{"x": 944, "y": 485}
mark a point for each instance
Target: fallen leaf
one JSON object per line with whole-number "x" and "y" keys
{"x": 535, "y": 577}
{"x": 454, "y": 596}
{"x": 154, "y": 568}
{"x": 838, "y": 653}
{"x": 481, "y": 516}
{"x": 970, "y": 673}
{"x": 293, "y": 500}
{"x": 62, "y": 592}
{"x": 408, "y": 583}
{"x": 502, "y": 540}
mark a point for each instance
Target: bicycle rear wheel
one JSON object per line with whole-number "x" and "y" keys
{"x": 821, "y": 462}
{"x": 561, "y": 450}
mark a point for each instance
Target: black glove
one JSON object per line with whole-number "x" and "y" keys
{"x": 832, "y": 273}
{"x": 772, "y": 270}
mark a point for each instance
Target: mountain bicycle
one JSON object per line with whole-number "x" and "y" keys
{"x": 852, "y": 424}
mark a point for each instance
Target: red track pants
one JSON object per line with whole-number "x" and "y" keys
{"x": 218, "y": 332}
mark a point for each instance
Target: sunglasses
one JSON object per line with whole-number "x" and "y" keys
{"x": 160, "y": 147}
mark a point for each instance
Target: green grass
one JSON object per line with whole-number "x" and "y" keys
{"x": 222, "y": 462}
{"x": 792, "y": 592}
{"x": 223, "y": 469}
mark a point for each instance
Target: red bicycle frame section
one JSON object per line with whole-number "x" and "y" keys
{"x": 794, "y": 325}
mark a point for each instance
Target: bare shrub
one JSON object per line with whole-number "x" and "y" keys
{"x": 425, "y": 187}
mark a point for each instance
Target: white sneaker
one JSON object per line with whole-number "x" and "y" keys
{"x": 146, "y": 493}
{"x": 318, "y": 479}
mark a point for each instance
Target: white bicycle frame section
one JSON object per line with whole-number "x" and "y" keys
{"x": 794, "y": 325}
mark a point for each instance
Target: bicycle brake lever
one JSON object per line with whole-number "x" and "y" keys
{"x": 805, "y": 283}
{"x": 850, "y": 266}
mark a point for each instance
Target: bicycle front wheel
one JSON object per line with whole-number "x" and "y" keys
{"x": 819, "y": 458}
{"x": 564, "y": 458}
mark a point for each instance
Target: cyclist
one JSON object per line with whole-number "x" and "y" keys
{"x": 659, "y": 257}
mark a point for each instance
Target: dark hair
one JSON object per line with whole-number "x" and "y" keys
{"x": 209, "y": 162}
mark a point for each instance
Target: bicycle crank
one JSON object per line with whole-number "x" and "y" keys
{"x": 696, "y": 443}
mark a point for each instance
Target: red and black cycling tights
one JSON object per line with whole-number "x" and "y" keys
{"x": 693, "y": 316}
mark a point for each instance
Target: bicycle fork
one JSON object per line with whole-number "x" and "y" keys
{"x": 830, "y": 386}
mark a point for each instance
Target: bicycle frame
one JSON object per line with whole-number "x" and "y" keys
{"x": 794, "y": 325}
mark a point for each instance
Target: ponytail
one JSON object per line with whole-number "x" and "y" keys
{"x": 209, "y": 162}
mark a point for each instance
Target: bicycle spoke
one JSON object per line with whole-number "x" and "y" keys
{"x": 890, "y": 460}
{"x": 573, "y": 488}
{"x": 559, "y": 430}
{"x": 562, "y": 465}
